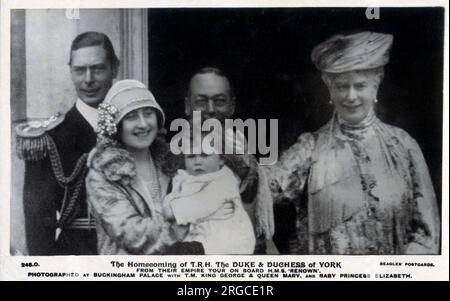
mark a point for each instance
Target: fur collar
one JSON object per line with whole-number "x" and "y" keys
{"x": 117, "y": 165}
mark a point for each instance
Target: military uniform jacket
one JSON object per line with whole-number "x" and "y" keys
{"x": 43, "y": 195}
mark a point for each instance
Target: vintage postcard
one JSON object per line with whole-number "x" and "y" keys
{"x": 224, "y": 140}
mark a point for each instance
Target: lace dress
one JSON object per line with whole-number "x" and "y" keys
{"x": 368, "y": 189}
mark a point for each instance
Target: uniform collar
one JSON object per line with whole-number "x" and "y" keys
{"x": 82, "y": 134}
{"x": 89, "y": 113}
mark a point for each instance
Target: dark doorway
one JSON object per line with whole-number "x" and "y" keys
{"x": 266, "y": 52}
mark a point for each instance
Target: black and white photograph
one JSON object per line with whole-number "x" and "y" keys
{"x": 121, "y": 120}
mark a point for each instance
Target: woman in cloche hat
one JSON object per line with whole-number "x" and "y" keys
{"x": 129, "y": 172}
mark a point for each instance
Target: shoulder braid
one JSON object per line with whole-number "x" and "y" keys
{"x": 32, "y": 138}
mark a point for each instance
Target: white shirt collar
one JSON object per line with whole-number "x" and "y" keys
{"x": 89, "y": 113}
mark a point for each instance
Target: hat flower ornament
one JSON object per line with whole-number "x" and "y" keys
{"x": 109, "y": 155}
{"x": 106, "y": 125}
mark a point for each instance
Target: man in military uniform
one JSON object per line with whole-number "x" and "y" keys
{"x": 210, "y": 91}
{"x": 57, "y": 220}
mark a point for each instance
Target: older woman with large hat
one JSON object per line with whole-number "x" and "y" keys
{"x": 368, "y": 186}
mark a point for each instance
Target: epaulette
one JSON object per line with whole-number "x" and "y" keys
{"x": 32, "y": 137}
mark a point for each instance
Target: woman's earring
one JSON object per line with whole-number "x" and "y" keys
{"x": 376, "y": 100}
{"x": 330, "y": 102}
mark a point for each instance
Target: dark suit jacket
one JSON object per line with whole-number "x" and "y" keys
{"x": 43, "y": 196}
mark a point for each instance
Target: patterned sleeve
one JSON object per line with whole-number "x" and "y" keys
{"x": 122, "y": 222}
{"x": 425, "y": 228}
{"x": 289, "y": 175}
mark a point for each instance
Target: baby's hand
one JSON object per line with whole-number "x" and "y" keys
{"x": 168, "y": 212}
{"x": 180, "y": 231}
